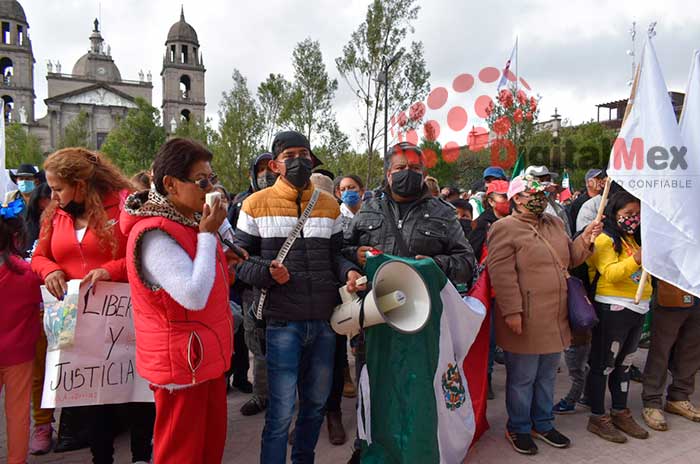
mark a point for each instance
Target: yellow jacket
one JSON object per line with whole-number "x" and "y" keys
{"x": 619, "y": 273}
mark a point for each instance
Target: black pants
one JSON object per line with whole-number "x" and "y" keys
{"x": 615, "y": 339}
{"x": 339, "y": 366}
{"x": 104, "y": 426}
{"x": 240, "y": 362}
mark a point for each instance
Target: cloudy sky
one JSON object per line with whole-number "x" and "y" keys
{"x": 572, "y": 53}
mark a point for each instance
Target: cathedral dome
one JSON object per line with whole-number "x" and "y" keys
{"x": 11, "y": 9}
{"x": 181, "y": 31}
{"x": 98, "y": 67}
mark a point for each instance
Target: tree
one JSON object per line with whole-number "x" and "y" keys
{"x": 309, "y": 108}
{"x": 195, "y": 129}
{"x": 240, "y": 129}
{"x": 21, "y": 146}
{"x": 77, "y": 132}
{"x": 381, "y": 36}
{"x": 272, "y": 96}
{"x": 133, "y": 144}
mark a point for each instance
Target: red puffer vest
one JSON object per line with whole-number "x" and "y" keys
{"x": 173, "y": 344}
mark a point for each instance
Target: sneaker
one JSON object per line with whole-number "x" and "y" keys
{"x": 242, "y": 385}
{"x": 604, "y": 428}
{"x": 552, "y": 438}
{"x": 564, "y": 407}
{"x": 40, "y": 442}
{"x": 253, "y": 406}
{"x": 684, "y": 409}
{"x": 624, "y": 421}
{"x": 654, "y": 419}
{"x": 522, "y": 442}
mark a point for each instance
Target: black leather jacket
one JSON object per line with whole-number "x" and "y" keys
{"x": 429, "y": 228}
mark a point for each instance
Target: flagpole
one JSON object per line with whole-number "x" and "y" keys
{"x": 517, "y": 60}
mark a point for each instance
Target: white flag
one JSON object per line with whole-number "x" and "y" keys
{"x": 509, "y": 64}
{"x": 651, "y": 160}
{"x": 6, "y": 183}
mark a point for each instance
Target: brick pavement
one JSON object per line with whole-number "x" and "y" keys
{"x": 680, "y": 445}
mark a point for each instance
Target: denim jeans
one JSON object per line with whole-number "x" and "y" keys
{"x": 530, "y": 391}
{"x": 576, "y": 357}
{"x": 300, "y": 355}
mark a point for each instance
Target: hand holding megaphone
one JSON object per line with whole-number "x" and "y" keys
{"x": 398, "y": 297}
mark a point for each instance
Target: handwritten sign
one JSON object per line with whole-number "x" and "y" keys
{"x": 98, "y": 366}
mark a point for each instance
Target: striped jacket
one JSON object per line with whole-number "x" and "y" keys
{"x": 315, "y": 263}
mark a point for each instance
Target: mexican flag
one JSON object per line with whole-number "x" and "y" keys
{"x": 417, "y": 403}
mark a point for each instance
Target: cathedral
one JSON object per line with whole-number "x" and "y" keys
{"x": 95, "y": 86}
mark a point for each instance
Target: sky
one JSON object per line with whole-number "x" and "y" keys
{"x": 572, "y": 54}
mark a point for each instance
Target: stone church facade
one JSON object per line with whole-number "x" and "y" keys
{"x": 95, "y": 85}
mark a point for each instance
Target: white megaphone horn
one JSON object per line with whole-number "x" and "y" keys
{"x": 399, "y": 297}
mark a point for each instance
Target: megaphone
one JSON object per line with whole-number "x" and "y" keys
{"x": 399, "y": 297}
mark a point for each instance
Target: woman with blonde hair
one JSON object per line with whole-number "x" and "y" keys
{"x": 80, "y": 239}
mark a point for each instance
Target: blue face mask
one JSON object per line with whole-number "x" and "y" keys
{"x": 25, "y": 186}
{"x": 350, "y": 197}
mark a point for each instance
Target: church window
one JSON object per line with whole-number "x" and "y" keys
{"x": 185, "y": 86}
{"x": 20, "y": 35}
{"x": 6, "y": 70}
{"x": 5, "y": 32}
{"x": 185, "y": 115}
{"x": 9, "y": 104}
{"x": 172, "y": 53}
{"x": 183, "y": 54}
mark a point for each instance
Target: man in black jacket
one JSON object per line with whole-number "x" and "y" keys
{"x": 428, "y": 225}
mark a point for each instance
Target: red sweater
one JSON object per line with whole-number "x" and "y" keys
{"x": 61, "y": 250}
{"x": 19, "y": 313}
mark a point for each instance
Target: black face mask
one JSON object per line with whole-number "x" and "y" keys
{"x": 298, "y": 171}
{"x": 466, "y": 225}
{"x": 407, "y": 183}
{"x": 74, "y": 209}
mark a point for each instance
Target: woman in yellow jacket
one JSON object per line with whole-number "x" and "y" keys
{"x": 617, "y": 262}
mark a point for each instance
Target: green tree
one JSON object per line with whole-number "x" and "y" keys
{"x": 21, "y": 146}
{"x": 197, "y": 130}
{"x": 133, "y": 144}
{"x": 240, "y": 129}
{"x": 381, "y": 36}
{"x": 272, "y": 96}
{"x": 77, "y": 132}
{"x": 309, "y": 108}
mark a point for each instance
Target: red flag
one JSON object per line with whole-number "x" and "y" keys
{"x": 476, "y": 363}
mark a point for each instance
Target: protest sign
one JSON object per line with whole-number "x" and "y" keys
{"x": 91, "y": 355}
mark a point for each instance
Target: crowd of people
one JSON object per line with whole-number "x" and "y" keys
{"x": 271, "y": 260}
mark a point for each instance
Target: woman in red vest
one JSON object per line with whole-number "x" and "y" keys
{"x": 80, "y": 239}
{"x": 179, "y": 288}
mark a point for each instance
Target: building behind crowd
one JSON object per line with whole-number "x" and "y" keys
{"x": 95, "y": 85}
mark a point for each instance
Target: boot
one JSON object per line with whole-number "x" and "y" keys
{"x": 624, "y": 421}
{"x": 336, "y": 431}
{"x": 71, "y": 431}
{"x": 604, "y": 428}
{"x": 349, "y": 390}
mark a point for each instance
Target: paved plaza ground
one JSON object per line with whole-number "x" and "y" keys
{"x": 681, "y": 444}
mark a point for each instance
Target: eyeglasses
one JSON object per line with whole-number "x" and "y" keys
{"x": 204, "y": 182}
